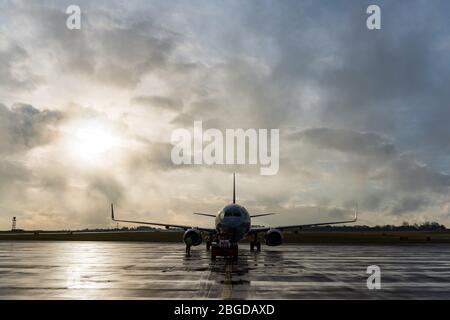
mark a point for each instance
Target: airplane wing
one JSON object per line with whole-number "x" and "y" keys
{"x": 167, "y": 225}
{"x": 300, "y": 226}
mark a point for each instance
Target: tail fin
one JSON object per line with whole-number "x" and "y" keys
{"x": 234, "y": 187}
{"x": 112, "y": 211}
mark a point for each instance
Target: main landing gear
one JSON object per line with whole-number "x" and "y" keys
{"x": 209, "y": 241}
{"x": 255, "y": 244}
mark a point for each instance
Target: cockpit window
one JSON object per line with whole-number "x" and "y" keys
{"x": 232, "y": 212}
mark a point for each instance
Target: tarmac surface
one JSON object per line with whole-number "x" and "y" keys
{"x": 126, "y": 270}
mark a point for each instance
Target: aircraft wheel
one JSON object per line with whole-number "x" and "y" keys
{"x": 213, "y": 257}
{"x": 252, "y": 246}
{"x": 208, "y": 245}
{"x": 258, "y": 246}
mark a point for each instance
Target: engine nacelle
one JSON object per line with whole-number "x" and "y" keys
{"x": 273, "y": 237}
{"x": 194, "y": 235}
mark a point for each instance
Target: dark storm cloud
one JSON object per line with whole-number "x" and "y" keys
{"x": 118, "y": 53}
{"x": 357, "y": 65}
{"x": 372, "y": 81}
{"x": 385, "y": 163}
{"x": 392, "y": 81}
{"x": 23, "y": 127}
{"x": 390, "y": 182}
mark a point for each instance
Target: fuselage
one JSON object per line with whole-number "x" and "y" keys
{"x": 233, "y": 223}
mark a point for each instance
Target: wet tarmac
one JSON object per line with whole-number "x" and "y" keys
{"x": 125, "y": 270}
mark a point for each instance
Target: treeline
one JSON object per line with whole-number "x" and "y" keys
{"x": 427, "y": 226}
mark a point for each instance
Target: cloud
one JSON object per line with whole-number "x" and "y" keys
{"x": 11, "y": 172}
{"x": 348, "y": 141}
{"x": 23, "y": 127}
{"x": 361, "y": 114}
{"x": 405, "y": 173}
{"x": 384, "y": 162}
{"x": 15, "y": 74}
{"x": 151, "y": 155}
{"x": 410, "y": 205}
{"x": 165, "y": 103}
{"x": 110, "y": 188}
{"x": 118, "y": 53}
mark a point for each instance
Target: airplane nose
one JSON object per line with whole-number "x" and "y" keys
{"x": 232, "y": 221}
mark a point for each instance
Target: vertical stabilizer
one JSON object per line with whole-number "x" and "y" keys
{"x": 234, "y": 187}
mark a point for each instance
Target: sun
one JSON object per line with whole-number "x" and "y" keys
{"x": 92, "y": 140}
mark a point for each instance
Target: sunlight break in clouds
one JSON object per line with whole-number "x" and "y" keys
{"x": 90, "y": 140}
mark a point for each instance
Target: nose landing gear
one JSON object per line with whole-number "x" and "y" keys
{"x": 254, "y": 245}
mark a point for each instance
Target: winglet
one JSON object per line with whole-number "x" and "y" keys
{"x": 112, "y": 211}
{"x": 234, "y": 187}
{"x": 356, "y": 212}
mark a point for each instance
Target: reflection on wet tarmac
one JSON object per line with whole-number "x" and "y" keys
{"x": 119, "y": 270}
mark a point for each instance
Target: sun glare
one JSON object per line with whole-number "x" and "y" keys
{"x": 91, "y": 140}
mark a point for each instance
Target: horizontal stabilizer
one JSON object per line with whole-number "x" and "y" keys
{"x": 205, "y": 214}
{"x": 262, "y": 215}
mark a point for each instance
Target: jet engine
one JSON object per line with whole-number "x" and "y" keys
{"x": 194, "y": 235}
{"x": 273, "y": 237}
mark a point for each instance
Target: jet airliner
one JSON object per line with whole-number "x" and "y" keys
{"x": 232, "y": 224}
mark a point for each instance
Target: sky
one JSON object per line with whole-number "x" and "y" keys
{"x": 86, "y": 115}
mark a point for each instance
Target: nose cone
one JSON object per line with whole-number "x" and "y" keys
{"x": 229, "y": 225}
{"x": 233, "y": 222}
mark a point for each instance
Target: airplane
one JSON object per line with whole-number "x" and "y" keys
{"x": 233, "y": 224}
